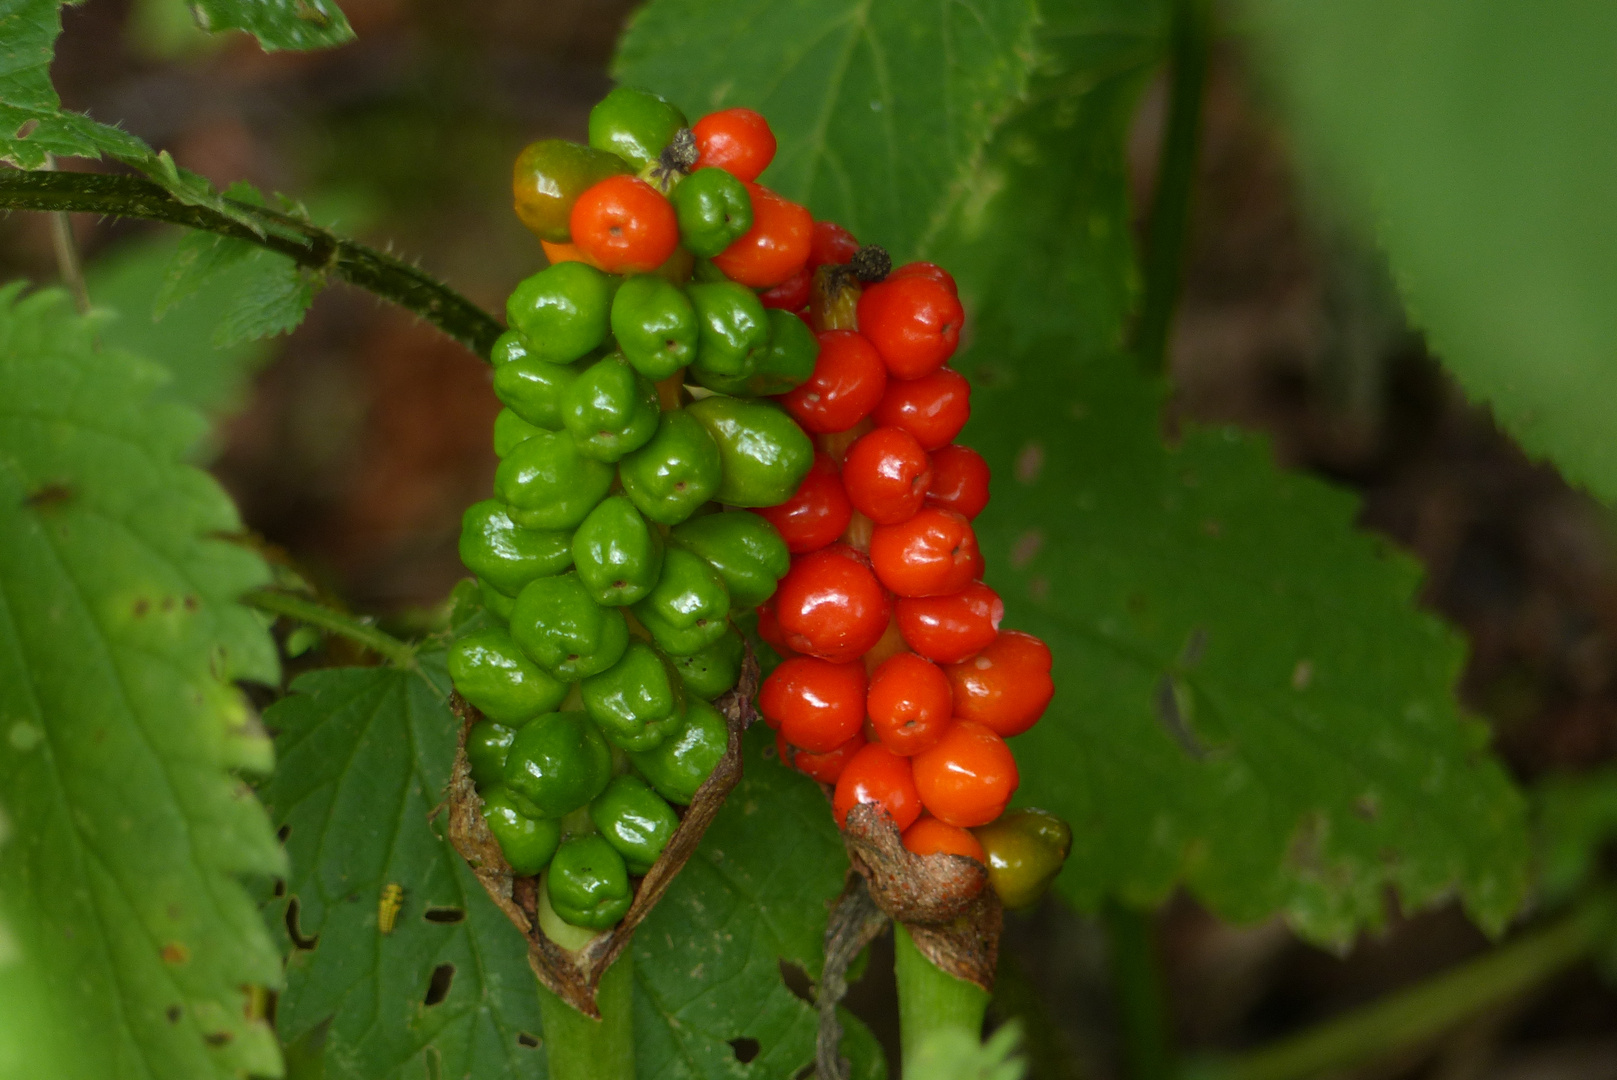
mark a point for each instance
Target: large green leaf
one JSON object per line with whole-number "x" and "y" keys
{"x": 1248, "y": 700}
{"x": 879, "y": 104}
{"x": 365, "y": 755}
{"x": 119, "y": 639}
{"x": 278, "y": 24}
{"x": 1479, "y": 136}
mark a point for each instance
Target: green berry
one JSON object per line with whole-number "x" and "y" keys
{"x": 610, "y": 409}
{"x": 549, "y": 177}
{"x": 688, "y": 609}
{"x": 655, "y": 326}
{"x": 714, "y": 211}
{"x": 744, "y": 548}
{"x": 634, "y": 124}
{"x": 494, "y": 601}
{"x": 506, "y": 555}
{"x": 765, "y": 454}
{"x": 562, "y": 310}
{"x": 564, "y": 631}
{"x": 533, "y": 388}
{"x": 547, "y": 484}
{"x": 527, "y": 843}
{"x": 487, "y": 743}
{"x": 786, "y": 364}
{"x": 619, "y": 557}
{"x": 637, "y": 701}
{"x": 511, "y": 431}
{"x": 588, "y": 883}
{"x": 715, "y": 669}
{"x": 492, "y": 673}
{"x": 733, "y": 328}
{"x": 680, "y": 764}
{"x": 635, "y": 820}
{"x": 556, "y": 764}
{"x": 674, "y": 473}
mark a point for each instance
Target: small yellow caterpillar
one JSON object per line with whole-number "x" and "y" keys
{"x": 387, "y": 911}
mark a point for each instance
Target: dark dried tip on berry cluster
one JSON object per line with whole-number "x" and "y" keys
{"x": 871, "y": 263}
{"x": 680, "y": 154}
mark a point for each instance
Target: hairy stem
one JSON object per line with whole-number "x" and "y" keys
{"x": 1142, "y": 1002}
{"x": 579, "y": 1048}
{"x": 930, "y": 999}
{"x": 1176, "y": 177}
{"x": 1420, "y": 1013}
{"x": 292, "y": 606}
{"x": 307, "y": 245}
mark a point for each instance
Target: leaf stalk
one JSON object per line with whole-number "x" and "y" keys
{"x": 930, "y": 999}
{"x": 400, "y": 654}
{"x": 578, "y": 1047}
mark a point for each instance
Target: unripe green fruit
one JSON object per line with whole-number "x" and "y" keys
{"x": 486, "y": 746}
{"x": 556, "y": 764}
{"x": 715, "y": 669}
{"x": 547, "y": 484}
{"x": 610, "y": 409}
{"x": 533, "y": 388}
{"x": 674, "y": 473}
{"x": 562, "y": 310}
{"x": 655, "y": 326}
{"x": 786, "y": 364}
{"x": 549, "y": 177}
{"x": 637, "y": 701}
{"x": 494, "y": 601}
{"x": 506, "y": 555}
{"x": 511, "y": 431}
{"x": 564, "y": 631}
{"x": 1026, "y": 850}
{"x": 527, "y": 843}
{"x": 688, "y": 609}
{"x": 680, "y": 764}
{"x": 733, "y": 328}
{"x": 634, "y": 124}
{"x": 492, "y": 673}
{"x": 744, "y": 548}
{"x": 588, "y": 883}
{"x": 635, "y": 820}
{"x": 765, "y": 454}
{"x": 619, "y": 557}
{"x": 714, "y": 211}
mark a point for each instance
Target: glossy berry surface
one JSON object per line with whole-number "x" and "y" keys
{"x": 624, "y": 226}
{"x": 959, "y": 481}
{"x": 951, "y": 628}
{"x": 933, "y": 553}
{"x": 848, "y": 383}
{"x": 817, "y": 514}
{"x": 914, "y": 322}
{"x": 815, "y": 705}
{"x": 1007, "y": 686}
{"x": 926, "y": 270}
{"x": 832, "y": 245}
{"x": 736, "y": 140}
{"x": 830, "y": 605}
{"x": 791, "y": 294}
{"x": 886, "y": 475}
{"x": 933, "y": 408}
{"x": 877, "y": 775}
{"x": 826, "y": 768}
{"x": 909, "y": 703}
{"x": 968, "y": 777}
{"x": 775, "y": 248}
{"x": 929, "y": 836}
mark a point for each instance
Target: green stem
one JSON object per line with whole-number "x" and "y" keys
{"x": 930, "y": 999}
{"x": 1420, "y": 1013}
{"x": 579, "y": 1048}
{"x": 1142, "y": 1003}
{"x": 292, "y": 606}
{"x": 303, "y": 243}
{"x": 1192, "y": 34}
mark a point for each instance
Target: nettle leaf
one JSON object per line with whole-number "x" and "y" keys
{"x": 119, "y": 641}
{"x": 879, "y": 105}
{"x": 1575, "y": 824}
{"x": 1248, "y": 700}
{"x": 278, "y": 24}
{"x": 272, "y": 299}
{"x": 1477, "y": 135}
{"x": 366, "y": 754}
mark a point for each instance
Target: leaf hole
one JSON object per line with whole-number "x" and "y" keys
{"x": 745, "y": 1048}
{"x": 797, "y": 980}
{"x": 283, "y": 832}
{"x": 217, "y": 1038}
{"x": 438, "y": 985}
{"x": 295, "y": 932}
{"x": 444, "y": 914}
{"x": 28, "y": 128}
{"x": 173, "y": 1014}
{"x": 280, "y": 887}
{"x": 530, "y": 1041}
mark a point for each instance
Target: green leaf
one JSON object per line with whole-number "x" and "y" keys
{"x": 951, "y": 1054}
{"x": 278, "y": 24}
{"x": 119, "y": 640}
{"x": 1478, "y": 137}
{"x": 1576, "y": 819}
{"x": 272, "y": 299}
{"x": 879, "y": 105}
{"x": 365, "y": 755}
{"x": 1248, "y": 701}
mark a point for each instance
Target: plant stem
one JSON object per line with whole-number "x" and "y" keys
{"x": 396, "y": 652}
{"x": 305, "y": 244}
{"x": 1142, "y": 1003}
{"x": 1192, "y": 34}
{"x": 930, "y": 999}
{"x": 579, "y": 1048}
{"x": 1423, "y": 1011}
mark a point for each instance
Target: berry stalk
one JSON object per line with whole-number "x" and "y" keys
{"x": 580, "y": 1048}
{"x": 931, "y": 1000}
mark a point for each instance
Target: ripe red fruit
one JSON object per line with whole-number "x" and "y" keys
{"x": 816, "y": 514}
{"x": 791, "y": 294}
{"x": 826, "y": 768}
{"x": 877, "y": 775}
{"x": 886, "y": 474}
{"x": 933, "y": 408}
{"x": 736, "y": 140}
{"x": 934, "y": 553}
{"x": 624, "y": 226}
{"x": 815, "y": 704}
{"x": 910, "y": 703}
{"x": 959, "y": 481}
{"x": 775, "y": 248}
{"x": 914, "y": 322}
{"x": 926, "y": 270}
{"x": 769, "y": 630}
{"x": 1007, "y": 686}
{"x": 848, "y": 381}
{"x": 832, "y": 245}
{"x": 929, "y": 836}
{"x": 830, "y": 605}
{"x": 951, "y": 628}
{"x": 968, "y": 777}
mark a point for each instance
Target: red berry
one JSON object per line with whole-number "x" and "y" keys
{"x": 949, "y": 629}
{"x": 914, "y": 322}
{"x": 624, "y": 226}
{"x": 929, "y": 836}
{"x": 736, "y": 140}
{"x": 910, "y": 703}
{"x": 832, "y": 245}
{"x": 817, "y": 514}
{"x": 830, "y": 605}
{"x": 934, "y": 553}
{"x": 769, "y": 630}
{"x": 877, "y": 775}
{"x": 959, "y": 481}
{"x": 886, "y": 474}
{"x": 1007, "y": 686}
{"x": 791, "y": 294}
{"x": 775, "y": 248}
{"x": 848, "y": 381}
{"x": 815, "y": 704}
{"x": 926, "y": 270}
{"x": 826, "y": 768}
{"x": 933, "y": 408}
{"x": 968, "y": 777}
